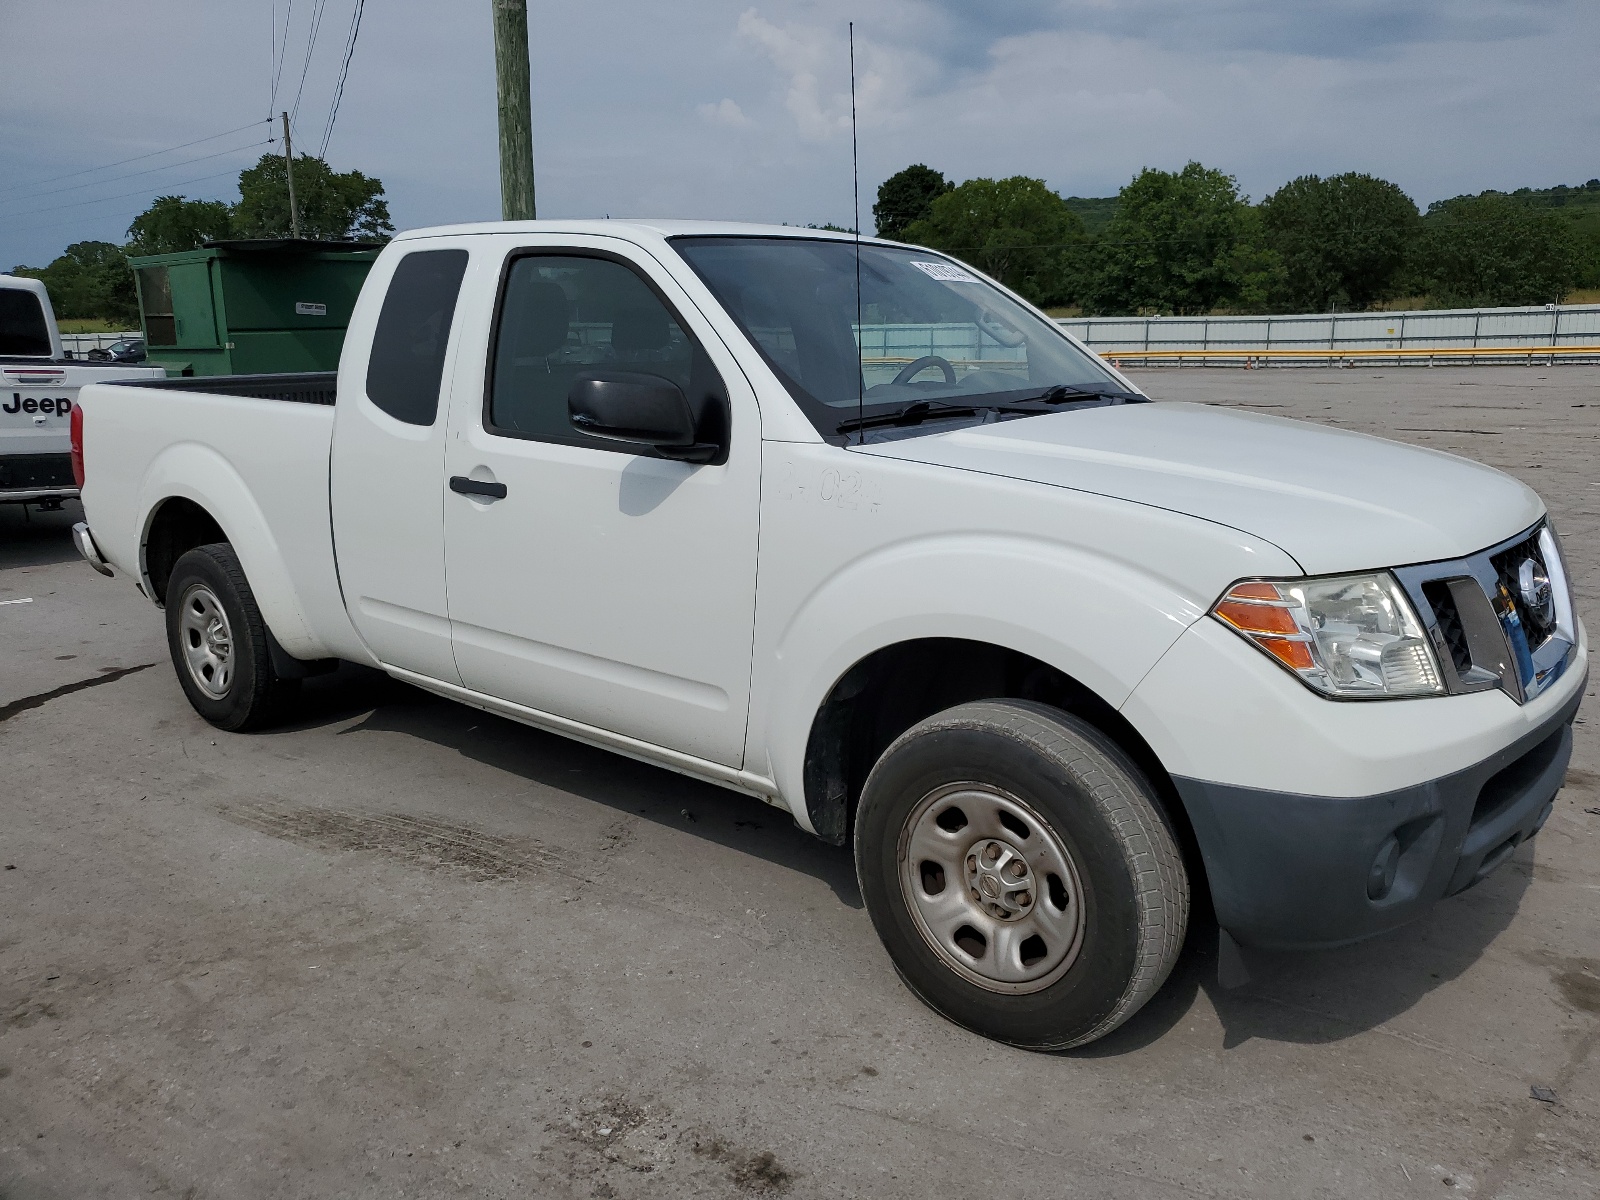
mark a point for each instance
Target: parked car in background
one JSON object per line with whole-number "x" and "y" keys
{"x": 127, "y": 350}
{"x": 38, "y": 391}
{"x": 849, "y": 528}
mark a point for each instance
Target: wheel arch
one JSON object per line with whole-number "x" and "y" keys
{"x": 886, "y": 692}
{"x": 175, "y": 526}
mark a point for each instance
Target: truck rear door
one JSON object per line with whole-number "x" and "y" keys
{"x": 388, "y": 456}
{"x": 605, "y": 584}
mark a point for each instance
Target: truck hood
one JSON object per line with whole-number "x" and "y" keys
{"x": 1332, "y": 499}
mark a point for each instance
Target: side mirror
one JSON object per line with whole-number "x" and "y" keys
{"x": 639, "y": 409}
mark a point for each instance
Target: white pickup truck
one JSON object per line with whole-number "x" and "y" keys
{"x": 38, "y": 389}
{"x": 856, "y": 531}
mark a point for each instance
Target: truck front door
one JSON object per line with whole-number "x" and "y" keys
{"x": 588, "y": 579}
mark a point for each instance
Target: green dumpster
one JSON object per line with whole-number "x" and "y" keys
{"x": 251, "y": 307}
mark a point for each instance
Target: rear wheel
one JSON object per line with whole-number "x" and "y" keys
{"x": 1021, "y": 874}
{"x": 218, "y": 642}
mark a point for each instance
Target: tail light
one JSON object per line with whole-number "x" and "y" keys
{"x": 76, "y": 419}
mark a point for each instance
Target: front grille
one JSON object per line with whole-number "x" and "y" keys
{"x": 1449, "y": 618}
{"x": 35, "y": 471}
{"x": 1507, "y": 565}
{"x": 1485, "y": 632}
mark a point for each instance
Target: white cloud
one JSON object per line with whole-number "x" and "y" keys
{"x": 813, "y": 64}
{"x": 725, "y": 112}
{"x": 799, "y": 54}
{"x": 1432, "y": 94}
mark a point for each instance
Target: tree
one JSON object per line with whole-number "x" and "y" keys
{"x": 91, "y": 280}
{"x": 1178, "y": 243}
{"x": 907, "y": 196}
{"x": 1341, "y": 241}
{"x": 332, "y": 205}
{"x": 173, "y": 223}
{"x": 1489, "y": 250}
{"x": 1016, "y": 229}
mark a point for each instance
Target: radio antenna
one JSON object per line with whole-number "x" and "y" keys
{"x": 855, "y": 190}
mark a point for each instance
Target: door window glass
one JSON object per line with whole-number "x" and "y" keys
{"x": 407, "y": 362}
{"x": 565, "y": 316}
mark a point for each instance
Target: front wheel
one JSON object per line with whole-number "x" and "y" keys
{"x": 218, "y": 642}
{"x": 1021, "y": 873}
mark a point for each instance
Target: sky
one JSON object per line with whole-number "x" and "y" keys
{"x": 741, "y": 110}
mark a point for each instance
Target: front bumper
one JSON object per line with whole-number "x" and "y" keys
{"x": 1299, "y": 871}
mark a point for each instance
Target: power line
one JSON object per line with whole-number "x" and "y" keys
{"x": 279, "y": 52}
{"x": 120, "y": 196}
{"x": 136, "y": 158}
{"x": 72, "y": 187}
{"x": 338, "y": 91}
{"x": 317, "y": 9}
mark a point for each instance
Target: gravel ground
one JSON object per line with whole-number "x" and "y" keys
{"x": 405, "y": 949}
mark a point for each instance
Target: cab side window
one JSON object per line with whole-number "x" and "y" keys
{"x": 564, "y": 316}
{"x": 407, "y": 363}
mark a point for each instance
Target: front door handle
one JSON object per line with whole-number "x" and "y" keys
{"x": 475, "y": 487}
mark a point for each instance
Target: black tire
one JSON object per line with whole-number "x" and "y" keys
{"x": 249, "y": 694}
{"x": 1131, "y": 886}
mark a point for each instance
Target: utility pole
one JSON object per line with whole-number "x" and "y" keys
{"x": 288, "y": 165}
{"x": 512, "y": 86}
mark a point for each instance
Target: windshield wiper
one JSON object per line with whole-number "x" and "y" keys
{"x": 1064, "y": 394}
{"x": 914, "y": 413}
{"x": 918, "y": 411}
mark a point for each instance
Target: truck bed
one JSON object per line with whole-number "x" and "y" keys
{"x": 314, "y": 387}
{"x": 253, "y": 451}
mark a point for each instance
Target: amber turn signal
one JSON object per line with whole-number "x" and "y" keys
{"x": 1260, "y": 611}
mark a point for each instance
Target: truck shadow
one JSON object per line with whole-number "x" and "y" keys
{"x": 651, "y": 793}
{"x": 1309, "y": 998}
{"x": 1312, "y": 997}
{"x": 30, "y": 538}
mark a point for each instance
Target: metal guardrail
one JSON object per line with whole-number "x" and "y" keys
{"x": 1432, "y": 355}
{"x": 1488, "y": 333}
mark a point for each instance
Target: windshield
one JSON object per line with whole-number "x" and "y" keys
{"x": 934, "y": 340}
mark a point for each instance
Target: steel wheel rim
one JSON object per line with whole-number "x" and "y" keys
{"x": 207, "y": 640}
{"x": 992, "y": 888}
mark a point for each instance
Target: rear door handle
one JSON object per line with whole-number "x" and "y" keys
{"x": 474, "y": 487}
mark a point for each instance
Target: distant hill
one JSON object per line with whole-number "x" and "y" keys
{"x": 1579, "y": 204}
{"x": 1094, "y": 211}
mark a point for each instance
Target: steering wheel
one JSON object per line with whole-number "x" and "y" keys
{"x": 910, "y": 370}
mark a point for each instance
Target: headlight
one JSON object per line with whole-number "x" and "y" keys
{"x": 1353, "y": 636}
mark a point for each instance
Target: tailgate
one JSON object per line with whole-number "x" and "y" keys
{"x": 34, "y": 407}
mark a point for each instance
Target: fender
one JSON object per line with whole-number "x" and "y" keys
{"x": 1111, "y": 623}
{"x": 197, "y": 472}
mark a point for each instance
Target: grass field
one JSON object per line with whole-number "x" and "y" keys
{"x": 89, "y": 325}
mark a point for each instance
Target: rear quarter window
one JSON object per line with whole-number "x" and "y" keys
{"x": 407, "y": 362}
{"x": 23, "y": 331}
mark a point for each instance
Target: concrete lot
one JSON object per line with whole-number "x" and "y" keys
{"x": 405, "y": 949}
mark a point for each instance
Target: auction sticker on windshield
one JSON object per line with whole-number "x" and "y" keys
{"x": 945, "y": 271}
